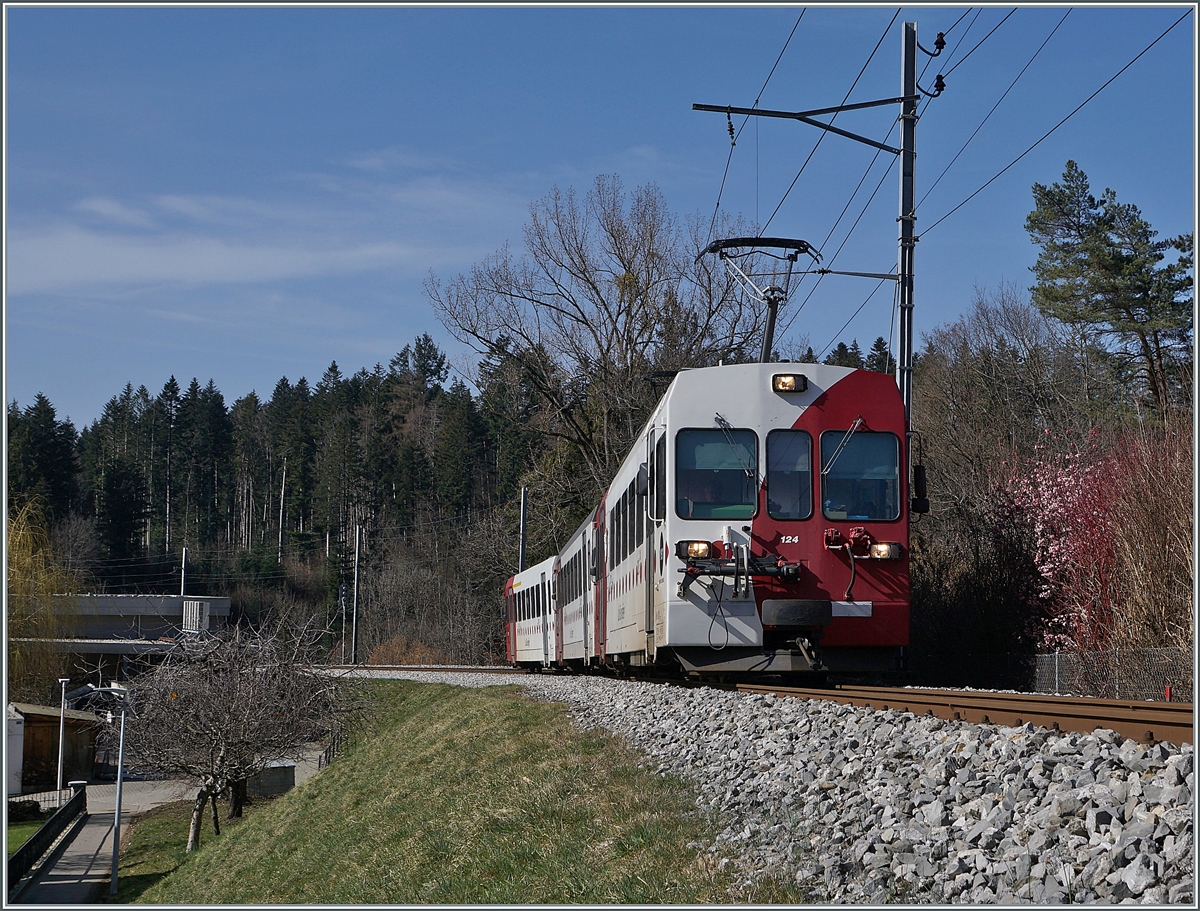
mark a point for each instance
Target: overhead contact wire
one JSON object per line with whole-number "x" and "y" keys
{"x": 993, "y": 110}
{"x": 832, "y": 119}
{"x": 734, "y": 138}
{"x": 1048, "y": 133}
{"x": 862, "y": 180}
{"x": 980, "y": 44}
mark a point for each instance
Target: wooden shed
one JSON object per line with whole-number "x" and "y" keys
{"x": 39, "y": 750}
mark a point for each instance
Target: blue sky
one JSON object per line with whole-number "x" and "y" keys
{"x": 245, "y": 193}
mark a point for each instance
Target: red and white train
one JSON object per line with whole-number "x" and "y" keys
{"x": 759, "y": 526}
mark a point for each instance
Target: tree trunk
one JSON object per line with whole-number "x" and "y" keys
{"x": 237, "y": 798}
{"x": 197, "y": 818}
{"x": 215, "y": 815}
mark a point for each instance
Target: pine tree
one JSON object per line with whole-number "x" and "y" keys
{"x": 41, "y": 457}
{"x": 880, "y": 359}
{"x": 1101, "y": 271}
{"x": 843, "y": 356}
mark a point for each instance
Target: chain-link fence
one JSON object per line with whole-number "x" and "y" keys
{"x": 1120, "y": 673}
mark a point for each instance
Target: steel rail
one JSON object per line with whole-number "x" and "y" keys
{"x": 429, "y": 668}
{"x": 1172, "y": 722}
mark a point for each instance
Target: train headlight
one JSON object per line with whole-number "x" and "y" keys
{"x": 696, "y": 550}
{"x": 789, "y": 382}
{"x": 884, "y": 552}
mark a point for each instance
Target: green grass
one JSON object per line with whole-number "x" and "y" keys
{"x": 450, "y": 796}
{"x": 156, "y": 846}
{"x": 21, "y": 832}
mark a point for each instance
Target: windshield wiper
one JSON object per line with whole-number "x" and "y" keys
{"x": 858, "y": 421}
{"x": 727, "y": 430}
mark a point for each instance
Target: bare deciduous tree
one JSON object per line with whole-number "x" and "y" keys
{"x": 219, "y": 709}
{"x": 609, "y": 290}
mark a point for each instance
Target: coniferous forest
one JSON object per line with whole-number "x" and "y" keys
{"x": 1048, "y": 421}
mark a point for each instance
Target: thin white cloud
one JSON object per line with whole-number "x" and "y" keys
{"x": 112, "y": 211}
{"x": 351, "y": 225}
{"x": 396, "y": 158}
{"x": 71, "y": 257}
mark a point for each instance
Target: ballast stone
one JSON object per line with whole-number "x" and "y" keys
{"x": 862, "y": 806}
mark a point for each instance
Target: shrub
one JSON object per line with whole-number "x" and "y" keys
{"x": 24, "y": 810}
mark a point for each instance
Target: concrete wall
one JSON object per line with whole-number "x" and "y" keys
{"x": 272, "y": 781}
{"x": 16, "y": 753}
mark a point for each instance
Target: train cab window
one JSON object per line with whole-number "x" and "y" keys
{"x": 716, "y": 474}
{"x": 864, "y": 480}
{"x": 789, "y": 474}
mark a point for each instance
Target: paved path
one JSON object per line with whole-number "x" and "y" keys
{"x": 81, "y": 873}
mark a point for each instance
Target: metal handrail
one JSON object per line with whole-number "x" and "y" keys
{"x": 26, "y": 856}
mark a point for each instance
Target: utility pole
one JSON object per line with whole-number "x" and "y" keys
{"x": 62, "y": 731}
{"x": 910, "y": 95}
{"x": 282, "y": 493}
{"x": 907, "y": 218}
{"x": 521, "y": 545}
{"x": 354, "y": 619}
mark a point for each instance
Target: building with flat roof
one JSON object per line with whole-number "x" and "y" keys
{"x": 106, "y": 632}
{"x": 136, "y": 624}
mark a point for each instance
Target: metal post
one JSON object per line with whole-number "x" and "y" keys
{"x": 62, "y": 729}
{"x": 183, "y": 572}
{"x": 112, "y": 886}
{"x": 773, "y": 298}
{"x": 907, "y": 218}
{"x": 521, "y": 544}
{"x": 354, "y": 620}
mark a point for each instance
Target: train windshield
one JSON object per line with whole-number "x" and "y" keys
{"x": 864, "y": 480}
{"x": 716, "y": 474}
{"x": 789, "y": 474}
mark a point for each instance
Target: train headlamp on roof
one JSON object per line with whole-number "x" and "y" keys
{"x": 789, "y": 382}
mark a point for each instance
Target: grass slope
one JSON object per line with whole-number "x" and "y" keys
{"x": 21, "y": 832}
{"x": 453, "y": 795}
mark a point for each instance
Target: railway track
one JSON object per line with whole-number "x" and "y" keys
{"x": 431, "y": 668}
{"x": 1141, "y": 721}
{"x": 1146, "y": 722}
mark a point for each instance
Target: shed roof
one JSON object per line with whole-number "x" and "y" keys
{"x": 28, "y": 709}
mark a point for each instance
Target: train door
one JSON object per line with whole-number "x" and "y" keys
{"x": 656, "y": 505}
{"x": 510, "y": 622}
{"x": 600, "y": 579}
{"x": 544, "y": 604}
{"x": 585, "y": 583}
{"x": 558, "y": 617}
{"x": 646, "y": 539}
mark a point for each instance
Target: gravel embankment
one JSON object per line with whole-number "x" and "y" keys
{"x": 861, "y": 805}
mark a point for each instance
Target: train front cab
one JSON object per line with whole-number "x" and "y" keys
{"x": 806, "y": 568}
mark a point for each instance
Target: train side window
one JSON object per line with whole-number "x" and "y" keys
{"x": 716, "y": 474}
{"x": 643, "y": 520}
{"x": 619, "y": 531}
{"x": 612, "y": 538}
{"x": 864, "y": 481}
{"x": 631, "y": 535}
{"x": 789, "y": 474}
